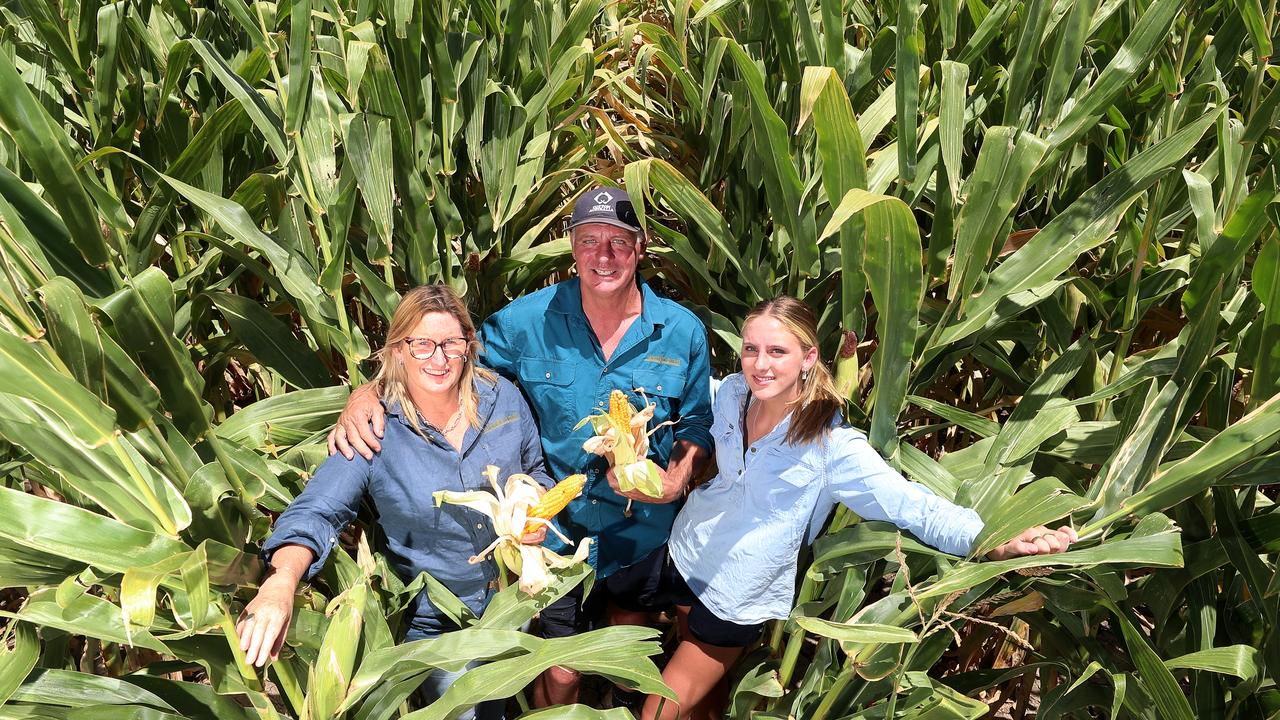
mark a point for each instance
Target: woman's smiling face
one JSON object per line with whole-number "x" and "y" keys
{"x": 772, "y": 359}
{"x": 436, "y": 374}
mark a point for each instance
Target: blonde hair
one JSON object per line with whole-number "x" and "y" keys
{"x": 391, "y": 375}
{"x": 818, "y": 401}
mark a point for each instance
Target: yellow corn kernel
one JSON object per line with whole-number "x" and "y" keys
{"x": 554, "y": 500}
{"x": 620, "y": 410}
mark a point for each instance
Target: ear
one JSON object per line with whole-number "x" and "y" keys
{"x": 642, "y": 242}
{"x": 810, "y": 359}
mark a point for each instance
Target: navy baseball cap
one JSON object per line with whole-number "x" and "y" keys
{"x": 605, "y": 205}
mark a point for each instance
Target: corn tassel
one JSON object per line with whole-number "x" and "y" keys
{"x": 554, "y": 500}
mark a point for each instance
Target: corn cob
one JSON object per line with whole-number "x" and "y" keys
{"x": 620, "y": 410}
{"x": 554, "y": 500}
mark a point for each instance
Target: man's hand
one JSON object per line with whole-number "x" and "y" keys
{"x": 672, "y": 488}
{"x": 536, "y": 537}
{"x": 1038, "y": 540}
{"x": 687, "y": 462}
{"x": 360, "y": 425}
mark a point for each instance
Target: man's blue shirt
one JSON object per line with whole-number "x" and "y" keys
{"x": 414, "y": 534}
{"x": 544, "y": 342}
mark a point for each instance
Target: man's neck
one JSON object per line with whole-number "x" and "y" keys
{"x": 608, "y": 308}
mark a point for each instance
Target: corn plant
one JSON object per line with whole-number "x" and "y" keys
{"x": 1042, "y": 237}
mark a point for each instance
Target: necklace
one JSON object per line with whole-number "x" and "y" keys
{"x": 453, "y": 422}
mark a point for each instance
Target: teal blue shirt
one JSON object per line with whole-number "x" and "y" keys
{"x": 544, "y": 343}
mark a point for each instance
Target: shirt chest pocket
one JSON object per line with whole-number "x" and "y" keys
{"x": 663, "y": 388}
{"x": 781, "y": 483}
{"x": 549, "y": 385}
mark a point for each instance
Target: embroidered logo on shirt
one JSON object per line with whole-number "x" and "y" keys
{"x": 501, "y": 421}
{"x": 664, "y": 360}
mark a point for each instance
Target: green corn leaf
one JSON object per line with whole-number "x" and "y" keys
{"x": 18, "y": 661}
{"x": 45, "y": 149}
{"x": 1131, "y": 58}
{"x": 1084, "y": 225}
{"x": 1152, "y": 674}
{"x": 270, "y": 341}
{"x": 895, "y": 275}
{"x": 1244, "y": 440}
{"x": 1162, "y": 549}
{"x": 94, "y": 357}
{"x": 852, "y": 632}
{"x": 1266, "y": 285}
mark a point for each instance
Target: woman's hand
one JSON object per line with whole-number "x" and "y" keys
{"x": 264, "y": 624}
{"x": 536, "y": 537}
{"x": 1038, "y": 540}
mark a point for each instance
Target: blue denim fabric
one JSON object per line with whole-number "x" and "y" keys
{"x": 414, "y": 534}
{"x": 737, "y": 540}
{"x": 544, "y": 342}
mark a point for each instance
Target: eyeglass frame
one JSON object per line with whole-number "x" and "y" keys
{"x": 436, "y": 345}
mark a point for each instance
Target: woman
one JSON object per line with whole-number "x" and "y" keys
{"x": 447, "y": 420}
{"x": 784, "y": 460}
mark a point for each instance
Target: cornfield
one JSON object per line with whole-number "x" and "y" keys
{"x": 1042, "y": 236}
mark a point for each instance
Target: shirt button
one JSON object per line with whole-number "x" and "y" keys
{"x": 548, "y": 376}
{"x": 479, "y": 526}
{"x": 593, "y": 501}
{"x": 601, "y": 403}
{"x": 659, "y": 388}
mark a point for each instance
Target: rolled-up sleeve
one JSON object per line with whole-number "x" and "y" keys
{"x": 324, "y": 507}
{"x": 858, "y": 477}
{"x": 695, "y": 401}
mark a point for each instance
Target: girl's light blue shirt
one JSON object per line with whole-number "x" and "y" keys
{"x": 737, "y": 540}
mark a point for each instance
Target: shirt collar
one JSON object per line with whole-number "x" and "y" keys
{"x": 568, "y": 301}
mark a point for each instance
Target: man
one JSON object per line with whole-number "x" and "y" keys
{"x": 568, "y": 346}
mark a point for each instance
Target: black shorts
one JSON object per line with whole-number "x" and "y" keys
{"x": 651, "y": 585}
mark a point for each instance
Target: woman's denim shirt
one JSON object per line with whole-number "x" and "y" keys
{"x": 737, "y": 540}
{"x": 415, "y": 535}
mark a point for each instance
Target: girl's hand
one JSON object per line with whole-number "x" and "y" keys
{"x": 536, "y": 537}
{"x": 1038, "y": 540}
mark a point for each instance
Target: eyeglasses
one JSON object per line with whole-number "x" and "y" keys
{"x": 423, "y": 348}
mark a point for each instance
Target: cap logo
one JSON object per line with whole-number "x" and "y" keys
{"x": 603, "y": 198}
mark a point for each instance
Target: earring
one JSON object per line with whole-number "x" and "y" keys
{"x": 804, "y": 375}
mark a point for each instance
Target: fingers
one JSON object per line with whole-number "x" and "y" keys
{"x": 359, "y": 435}
{"x": 536, "y": 537}
{"x": 338, "y": 442}
{"x": 1038, "y": 540}
{"x": 613, "y": 482}
{"x": 253, "y": 639}
{"x": 279, "y": 643}
{"x": 366, "y": 438}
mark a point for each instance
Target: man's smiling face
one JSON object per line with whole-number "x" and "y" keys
{"x": 606, "y": 256}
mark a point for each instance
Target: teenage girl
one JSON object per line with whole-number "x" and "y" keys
{"x": 784, "y": 460}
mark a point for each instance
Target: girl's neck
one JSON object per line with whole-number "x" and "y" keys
{"x": 768, "y": 413}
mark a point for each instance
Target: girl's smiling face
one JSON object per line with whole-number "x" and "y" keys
{"x": 772, "y": 359}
